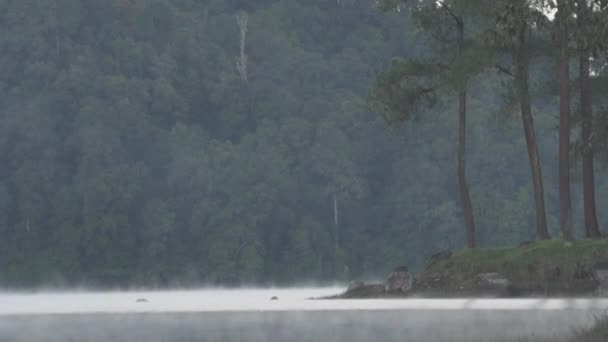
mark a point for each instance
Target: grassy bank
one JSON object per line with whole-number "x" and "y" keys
{"x": 551, "y": 268}
{"x": 553, "y": 251}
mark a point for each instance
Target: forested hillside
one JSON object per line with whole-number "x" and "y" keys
{"x": 183, "y": 142}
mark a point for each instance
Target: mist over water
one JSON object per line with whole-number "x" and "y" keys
{"x": 164, "y": 301}
{"x": 250, "y": 315}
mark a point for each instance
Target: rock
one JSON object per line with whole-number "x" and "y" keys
{"x": 600, "y": 273}
{"x": 494, "y": 279}
{"x": 526, "y": 243}
{"x": 400, "y": 280}
{"x": 582, "y": 272}
{"x": 354, "y": 285}
{"x": 493, "y": 282}
{"x": 141, "y": 300}
{"x": 551, "y": 273}
{"x": 362, "y": 290}
{"x": 401, "y": 269}
{"x": 443, "y": 255}
{"x": 531, "y": 268}
{"x": 274, "y": 298}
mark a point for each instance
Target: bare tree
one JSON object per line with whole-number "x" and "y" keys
{"x": 241, "y": 61}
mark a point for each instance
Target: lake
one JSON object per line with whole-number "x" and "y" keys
{"x": 250, "y": 315}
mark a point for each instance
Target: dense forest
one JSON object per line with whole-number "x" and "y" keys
{"x": 186, "y": 142}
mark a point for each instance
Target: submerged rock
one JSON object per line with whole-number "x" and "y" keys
{"x": 274, "y": 298}
{"x": 141, "y": 300}
{"x": 400, "y": 280}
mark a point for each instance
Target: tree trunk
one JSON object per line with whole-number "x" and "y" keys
{"x": 465, "y": 198}
{"x": 522, "y": 81}
{"x": 591, "y": 226}
{"x": 336, "y": 224}
{"x": 565, "y": 219}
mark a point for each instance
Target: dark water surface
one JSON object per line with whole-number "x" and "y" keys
{"x": 355, "y": 326}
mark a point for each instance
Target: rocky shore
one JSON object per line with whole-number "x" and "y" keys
{"x": 547, "y": 269}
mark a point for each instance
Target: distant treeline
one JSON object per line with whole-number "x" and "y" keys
{"x": 183, "y": 142}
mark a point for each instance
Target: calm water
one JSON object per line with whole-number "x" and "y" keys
{"x": 250, "y": 315}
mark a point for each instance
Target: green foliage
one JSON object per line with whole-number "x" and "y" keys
{"x": 133, "y": 154}
{"x": 402, "y": 90}
{"x": 553, "y": 251}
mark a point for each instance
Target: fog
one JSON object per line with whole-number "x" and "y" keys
{"x": 250, "y": 315}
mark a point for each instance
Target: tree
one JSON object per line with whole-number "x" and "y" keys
{"x": 589, "y": 43}
{"x": 513, "y": 30}
{"x": 454, "y": 63}
{"x": 563, "y": 17}
{"x": 133, "y": 153}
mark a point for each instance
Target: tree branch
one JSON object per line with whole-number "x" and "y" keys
{"x": 450, "y": 12}
{"x": 503, "y": 70}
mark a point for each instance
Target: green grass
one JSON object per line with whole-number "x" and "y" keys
{"x": 553, "y": 251}
{"x": 553, "y": 267}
